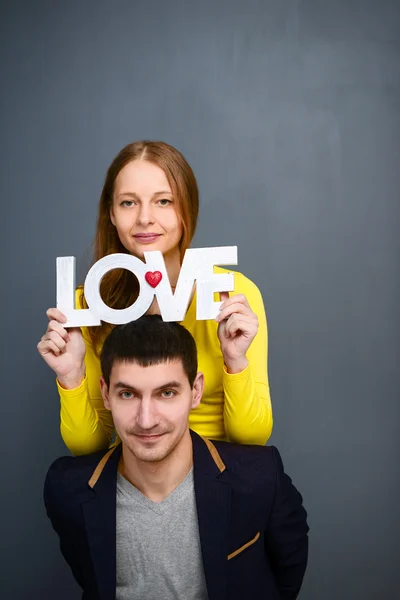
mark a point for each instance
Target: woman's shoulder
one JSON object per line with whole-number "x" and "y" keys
{"x": 80, "y": 304}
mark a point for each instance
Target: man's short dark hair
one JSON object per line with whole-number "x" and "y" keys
{"x": 149, "y": 341}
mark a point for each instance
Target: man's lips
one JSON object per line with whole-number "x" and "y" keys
{"x": 149, "y": 437}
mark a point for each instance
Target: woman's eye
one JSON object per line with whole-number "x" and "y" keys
{"x": 127, "y": 203}
{"x": 165, "y": 202}
{"x": 167, "y": 394}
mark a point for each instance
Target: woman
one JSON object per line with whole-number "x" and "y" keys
{"x": 150, "y": 202}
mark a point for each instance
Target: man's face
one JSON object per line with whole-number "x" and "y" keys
{"x": 150, "y": 406}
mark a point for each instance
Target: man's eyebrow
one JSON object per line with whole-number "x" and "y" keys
{"x": 121, "y": 385}
{"x": 127, "y": 386}
{"x": 170, "y": 384}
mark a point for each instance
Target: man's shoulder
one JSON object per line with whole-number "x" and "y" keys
{"x": 73, "y": 471}
{"x": 230, "y": 449}
{"x": 250, "y": 460}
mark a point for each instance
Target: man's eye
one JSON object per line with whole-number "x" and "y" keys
{"x": 167, "y": 394}
{"x": 126, "y": 395}
{"x": 165, "y": 202}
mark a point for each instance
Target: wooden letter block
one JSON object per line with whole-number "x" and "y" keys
{"x": 197, "y": 266}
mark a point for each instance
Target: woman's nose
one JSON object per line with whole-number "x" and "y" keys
{"x": 145, "y": 215}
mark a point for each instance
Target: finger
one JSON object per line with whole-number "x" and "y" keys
{"x": 74, "y": 331}
{"x": 237, "y": 298}
{"x": 54, "y": 348}
{"x": 241, "y": 324}
{"x": 238, "y": 308}
{"x": 58, "y": 328}
{"x": 57, "y": 315}
{"x": 48, "y": 347}
{"x": 223, "y": 296}
{"x": 56, "y": 339}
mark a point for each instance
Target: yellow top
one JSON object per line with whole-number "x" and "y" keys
{"x": 234, "y": 407}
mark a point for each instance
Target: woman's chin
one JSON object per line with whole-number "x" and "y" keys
{"x": 139, "y": 250}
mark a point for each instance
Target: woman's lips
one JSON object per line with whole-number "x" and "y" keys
{"x": 146, "y": 238}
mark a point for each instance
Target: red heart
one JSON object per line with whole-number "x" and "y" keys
{"x": 153, "y": 278}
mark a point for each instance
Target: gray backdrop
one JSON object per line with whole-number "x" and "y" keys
{"x": 289, "y": 113}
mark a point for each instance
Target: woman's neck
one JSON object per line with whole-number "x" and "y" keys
{"x": 172, "y": 262}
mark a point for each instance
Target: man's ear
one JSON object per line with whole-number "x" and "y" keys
{"x": 104, "y": 393}
{"x": 197, "y": 391}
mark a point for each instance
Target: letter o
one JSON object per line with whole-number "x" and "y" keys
{"x": 92, "y": 289}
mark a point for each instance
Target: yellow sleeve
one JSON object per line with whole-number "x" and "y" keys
{"x": 86, "y": 425}
{"x": 247, "y": 406}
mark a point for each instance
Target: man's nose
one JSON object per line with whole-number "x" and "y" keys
{"x": 147, "y": 417}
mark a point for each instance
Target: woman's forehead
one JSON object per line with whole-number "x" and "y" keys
{"x": 141, "y": 175}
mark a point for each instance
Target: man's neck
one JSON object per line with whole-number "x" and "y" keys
{"x": 157, "y": 480}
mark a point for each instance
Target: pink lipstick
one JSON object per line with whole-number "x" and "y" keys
{"x": 147, "y": 238}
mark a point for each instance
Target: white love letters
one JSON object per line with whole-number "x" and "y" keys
{"x": 153, "y": 280}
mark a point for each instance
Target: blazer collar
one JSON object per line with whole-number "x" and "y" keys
{"x": 100, "y": 520}
{"x": 213, "y": 493}
{"x": 213, "y": 496}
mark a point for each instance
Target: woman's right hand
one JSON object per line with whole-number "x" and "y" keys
{"x": 63, "y": 350}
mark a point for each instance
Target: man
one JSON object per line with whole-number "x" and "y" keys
{"x": 167, "y": 514}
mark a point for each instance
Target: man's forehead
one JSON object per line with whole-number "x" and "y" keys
{"x": 152, "y": 375}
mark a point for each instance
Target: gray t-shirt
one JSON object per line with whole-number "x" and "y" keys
{"x": 158, "y": 545}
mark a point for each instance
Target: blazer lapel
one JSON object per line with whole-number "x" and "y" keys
{"x": 213, "y": 493}
{"x": 100, "y": 520}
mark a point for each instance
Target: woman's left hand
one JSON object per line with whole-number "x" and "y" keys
{"x": 237, "y": 328}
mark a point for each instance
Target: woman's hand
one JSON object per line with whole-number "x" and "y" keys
{"x": 237, "y": 328}
{"x": 63, "y": 350}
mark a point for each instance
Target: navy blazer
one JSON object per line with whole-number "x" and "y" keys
{"x": 252, "y": 525}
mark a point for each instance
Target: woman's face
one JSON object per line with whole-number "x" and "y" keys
{"x": 144, "y": 211}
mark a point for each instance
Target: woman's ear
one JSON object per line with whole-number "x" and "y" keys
{"x": 197, "y": 390}
{"x": 104, "y": 393}
{"x": 112, "y": 217}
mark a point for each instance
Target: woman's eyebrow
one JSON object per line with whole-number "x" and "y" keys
{"x": 134, "y": 195}
{"x": 129, "y": 194}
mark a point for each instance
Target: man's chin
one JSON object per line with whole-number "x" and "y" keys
{"x": 150, "y": 457}
{"x": 148, "y": 450}
{"x": 149, "y": 454}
